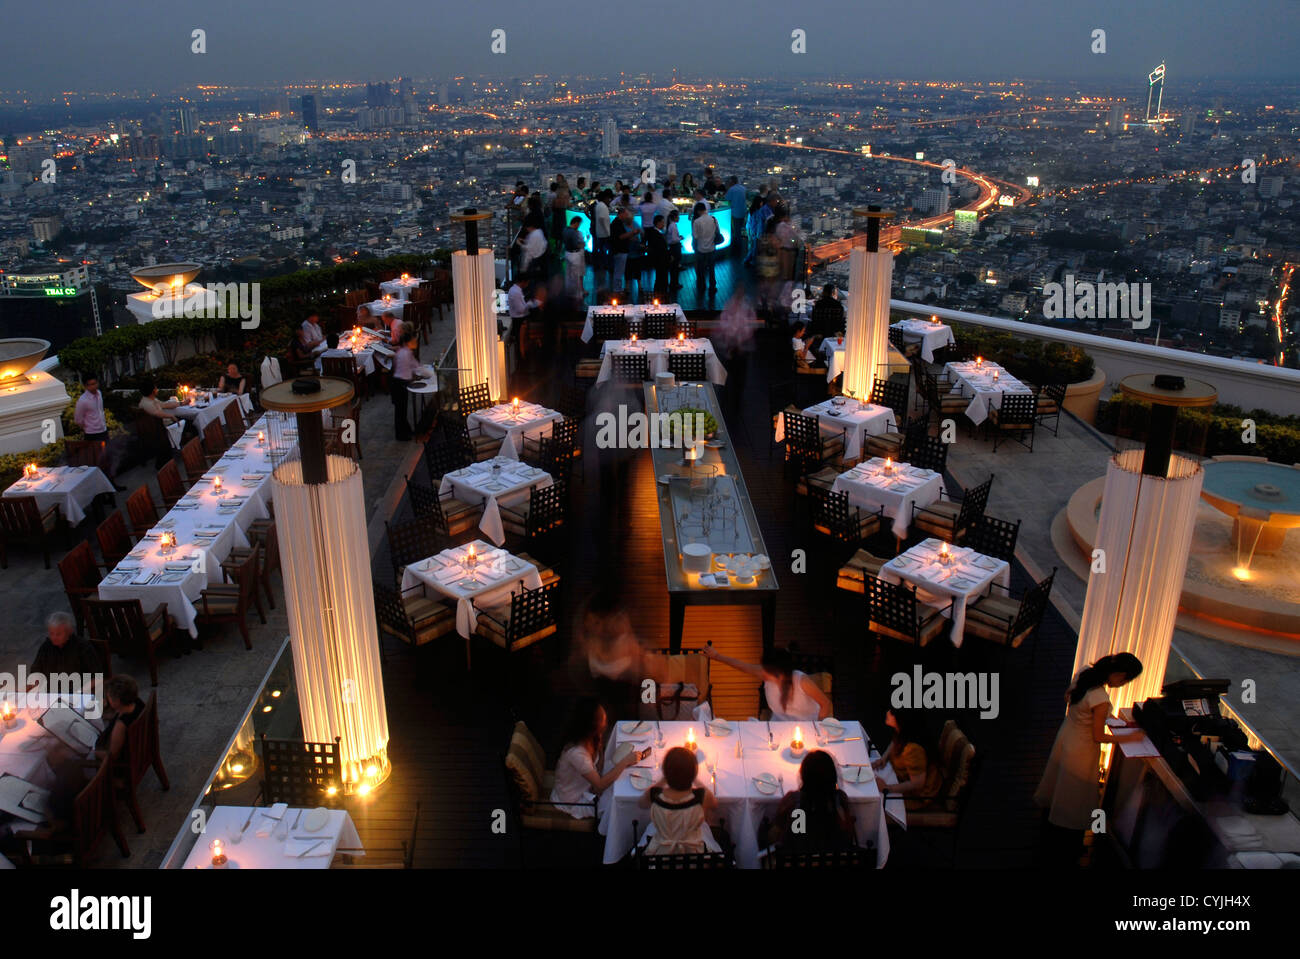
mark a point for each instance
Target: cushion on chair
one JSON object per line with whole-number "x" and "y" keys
{"x": 852, "y": 575}
{"x": 219, "y": 603}
{"x": 421, "y": 610}
{"x": 555, "y": 820}
{"x": 453, "y": 508}
{"x": 993, "y": 609}
{"x": 548, "y": 575}
{"x": 492, "y": 622}
{"x": 823, "y": 478}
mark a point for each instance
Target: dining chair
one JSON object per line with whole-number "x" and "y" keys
{"x": 807, "y": 446}
{"x": 411, "y": 616}
{"x": 169, "y": 484}
{"x": 950, "y": 519}
{"x": 1017, "y": 417}
{"x": 1000, "y": 619}
{"x": 529, "y": 784}
{"x": 301, "y": 774}
{"x": 114, "y": 541}
{"x": 682, "y": 683}
{"x": 833, "y": 516}
{"x": 23, "y": 521}
{"x": 382, "y": 857}
{"x": 542, "y": 514}
{"x": 609, "y": 326}
{"x": 474, "y": 398}
{"x": 93, "y": 814}
{"x": 924, "y": 451}
{"x": 83, "y": 452}
{"x": 629, "y": 368}
{"x": 214, "y": 442}
{"x": 528, "y": 617}
{"x": 411, "y": 541}
{"x": 266, "y": 537}
{"x": 993, "y": 537}
{"x": 945, "y": 812}
{"x": 860, "y": 567}
{"x": 144, "y": 514}
{"x": 1051, "y": 401}
{"x": 229, "y": 602}
{"x": 140, "y": 753}
{"x": 233, "y": 422}
{"x": 891, "y": 394}
{"x": 894, "y": 611}
{"x": 120, "y": 628}
{"x": 688, "y": 367}
{"x": 892, "y": 443}
{"x": 81, "y": 576}
{"x": 451, "y": 516}
{"x": 849, "y": 857}
{"x": 193, "y": 459}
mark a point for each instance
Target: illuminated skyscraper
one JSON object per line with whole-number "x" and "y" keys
{"x": 609, "y": 139}
{"x": 310, "y": 118}
{"x": 1156, "y": 91}
{"x": 1115, "y": 125}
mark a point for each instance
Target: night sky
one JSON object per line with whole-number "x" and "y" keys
{"x": 144, "y": 45}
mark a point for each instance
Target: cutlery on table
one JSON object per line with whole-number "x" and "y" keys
{"x": 251, "y": 813}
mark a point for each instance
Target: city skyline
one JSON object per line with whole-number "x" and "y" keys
{"x": 151, "y": 49}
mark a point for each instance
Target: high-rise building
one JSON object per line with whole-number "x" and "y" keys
{"x": 1115, "y": 125}
{"x": 1189, "y": 124}
{"x": 1270, "y": 187}
{"x": 1155, "y": 91}
{"x": 609, "y": 139}
{"x": 187, "y": 121}
{"x": 934, "y": 200}
{"x": 307, "y": 109}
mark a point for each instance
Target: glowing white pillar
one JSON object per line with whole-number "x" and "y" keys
{"x": 1144, "y": 535}
{"x": 472, "y": 277}
{"x": 866, "y": 339}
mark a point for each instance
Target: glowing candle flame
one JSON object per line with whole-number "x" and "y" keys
{"x": 216, "y": 483}
{"x": 690, "y": 739}
{"x": 797, "y": 741}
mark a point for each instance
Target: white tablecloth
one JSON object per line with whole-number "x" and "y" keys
{"x": 633, "y": 313}
{"x": 498, "y": 575}
{"x": 966, "y": 578}
{"x": 201, "y": 416}
{"x": 856, "y": 420}
{"x": 267, "y": 852}
{"x": 512, "y": 427}
{"x": 977, "y": 382}
{"x": 833, "y": 352}
{"x": 362, "y": 356}
{"x": 657, "y": 353}
{"x": 25, "y": 749}
{"x": 511, "y": 484}
{"x": 391, "y": 307}
{"x": 70, "y": 488}
{"x": 199, "y": 510}
{"x": 740, "y": 802}
{"x": 868, "y": 486}
{"x": 400, "y": 288}
{"x": 932, "y": 336}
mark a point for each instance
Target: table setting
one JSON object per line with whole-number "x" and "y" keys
{"x": 71, "y": 488}
{"x": 880, "y": 482}
{"x": 388, "y": 305}
{"x": 984, "y": 382}
{"x": 182, "y": 554}
{"x": 857, "y": 420}
{"x": 273, "y": 837}
{"x": 633, "y": 313}
{"x": 749, "y": 766}
{"x": 474, "y": 574}
{"x": 25, "y": 743}
{"x": 402, "y": 286}
{"x": 498, "y": 481}
{"x": 512, "y": 421}
{"x": 930, "y": 334}
{"x": 943, "y": 573}
{"x": 657, "y": 353}
{"x": 832, "y": 348}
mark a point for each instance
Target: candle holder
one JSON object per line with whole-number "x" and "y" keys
{"x": 995, "y": 375}
{"x": 889, "y": 466}
{"x": 167, "y": 542}
{"x": 471, "y": 558}
{"x": 979, "y": 362}
{"x": 216, "y": 486}
{"x": 796, "y": 744}
{"x": 30, "y": 471}
{"x": 945, "y": 557}
{"x": 261, "y": 438}
{"x": 218, "y": 853}
{"x": 8, "y": 714}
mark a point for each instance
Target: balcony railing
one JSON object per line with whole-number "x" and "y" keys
{"x": 1248, "y": 385}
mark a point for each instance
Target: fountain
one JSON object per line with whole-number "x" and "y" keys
{"x": 31, "y": 401}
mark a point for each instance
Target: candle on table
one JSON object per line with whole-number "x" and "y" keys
{"x": 796, "y": 744}
{"x": 30, "y": 470}
{"x": 8, "y": 713}
{"x": 216, "y": 485}
{"x": 261, "y": 437}
{"x": 218, "y": 852}
{"x": 690, "y": 739}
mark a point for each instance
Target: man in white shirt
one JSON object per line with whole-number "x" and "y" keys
{"x": 534, "y": 248}
{"x": 519, "y": 309}
{"x": 704, "y": 235}
{"x": 600, "y": 234}
{"x": 89, "y": 415}
{"x": 311, "y": 326}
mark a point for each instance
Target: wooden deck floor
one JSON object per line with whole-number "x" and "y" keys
{"x": 449, "y": 729}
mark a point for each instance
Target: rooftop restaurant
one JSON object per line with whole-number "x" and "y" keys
{"x": 641, "y": 566}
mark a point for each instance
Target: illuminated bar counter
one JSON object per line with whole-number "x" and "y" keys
{"x": 721, "y": 214}
{"x": 707, "y": 517}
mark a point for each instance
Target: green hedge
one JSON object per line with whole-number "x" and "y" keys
{"x": 11, "y": 464}
{"x": 1276, "y": 437}
{"x": 285, "y": 301}
{"x": 1029, "y": 359}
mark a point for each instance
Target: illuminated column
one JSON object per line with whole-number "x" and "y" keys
{"x": 866, "y": 340}
{"x": 472, "y": 274}
{"x": 1144, "y": 533}
{"x": 320, "y": 518}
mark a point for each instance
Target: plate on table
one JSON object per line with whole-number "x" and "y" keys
{"x": 641, "y": 728}
{"x": 641, "y": 779}
{"x": 762, "y": 562}
{"x": 316, "y": 820}
{"x": 832, "y": 728}
{"x": 715, "y": 444}
{"x": 719, "y": 727}
{"x": 767, "y": 784}
{"x": 621, "y": 751}
{"x": 859, "y": 774}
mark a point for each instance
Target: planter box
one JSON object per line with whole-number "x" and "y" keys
{"x": 1081, "y": 398}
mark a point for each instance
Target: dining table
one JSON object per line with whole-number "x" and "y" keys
{"x": 274, "y": 837}
{"x": 208, "y": 522}
{"x": 497, "y": 482}
{"x": 843, "y": 414}
{"x": 203, "y": 412}
{"x": 932, "y": 336}
{"x": 984, "y": 382}
{"x": 658, "y": 353}
{"x": 401, "y": 287}
{"x": 387, "y": 307}
{"x": 486, "y": 576}
{"x": 873, "y": 484}
{"x": 512, "y": 423}
{"x": 71, "y": 488}
{"x": 749, "y": 783}
{"x": 26, "y": 747}
{"x": 963, "y": 578}
{"x": 833, "y": 353}
{"x": 633, "y": 313}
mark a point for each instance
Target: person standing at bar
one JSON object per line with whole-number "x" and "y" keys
{"x": 736, "y": 197}
{"x": 1068, "y": 791}
{"x": 403, "y": 373}
{"x": 575, "y": 257}
{"x": 704, "y": 231}
{"x": 673, "y": 237}
{"x": 657, "y": 255}
{"x": 622, "y": 232}
{"x": 600, "y": 238}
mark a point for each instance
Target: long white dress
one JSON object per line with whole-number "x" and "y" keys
{"x": 1068, "y": 789}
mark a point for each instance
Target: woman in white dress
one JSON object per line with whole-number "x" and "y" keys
{"x": 791, "y": 695}
{"x": 678, "y": 808}
{"x": 577, "y": 776}
{"x": 1068, "y": 790}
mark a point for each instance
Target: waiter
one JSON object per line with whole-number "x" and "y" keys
{"x": 89, "y": 415}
